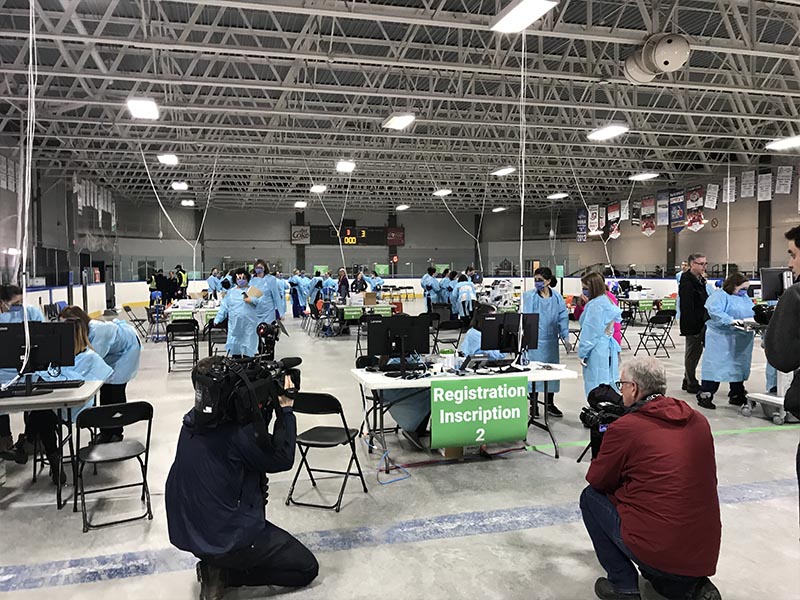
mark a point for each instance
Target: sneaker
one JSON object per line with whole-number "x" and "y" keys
{"x": 706, "y": 591}
{"x": 18, "y": 452}
{"x": 212, "y": 581}
{"x": 705, "y": 400}
{"x": 737, "y": 400}
{"x": 6, "y": 443}
{"x": 413, "y": 438}
{"x": 554, "y": 411}
{"x": 605, "y": 591}
{"x": 692, "y": 389}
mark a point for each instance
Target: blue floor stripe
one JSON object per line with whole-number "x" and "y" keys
{"x": 167, "y": 560}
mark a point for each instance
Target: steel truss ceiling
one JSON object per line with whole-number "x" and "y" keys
{"x": 278, "y": 91}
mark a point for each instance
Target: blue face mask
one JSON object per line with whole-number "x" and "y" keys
{"x": 241, "y": 282}
{"x": 742, "y": 293}
{"x": 585, "y": 292}
{"x": 259, "y": 270}
{"x": 539, "y": 285}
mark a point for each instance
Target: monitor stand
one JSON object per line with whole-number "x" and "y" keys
{"x": 29, "y": 387}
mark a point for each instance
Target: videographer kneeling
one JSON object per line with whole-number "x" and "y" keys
{"x": 215, "y": 494}
{"x": 652, "y": 495}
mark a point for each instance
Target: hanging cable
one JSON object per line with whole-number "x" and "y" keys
{"x": 521, "y": 178}
{"x": 327, "y": 214}
{"x": 729, "y": 193}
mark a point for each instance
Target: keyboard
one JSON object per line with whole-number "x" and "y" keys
{"x": 60, "y": 384}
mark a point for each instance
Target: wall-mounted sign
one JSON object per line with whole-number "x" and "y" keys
{"x": 301, "y": 234}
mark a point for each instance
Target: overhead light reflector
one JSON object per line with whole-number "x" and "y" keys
{"x": 180, "y": 186}
{"x": 13, "y": 251}
{"x": 300, "y": 204}
{"x": 503, "y": 171}
{"x": 499, "y": 209}
{"x": 187, "y": 202}
{"x": 401, "y": 207}
{"x": 596, "y": 233}
{"x": 521, "y": 14}
{"x": 558, "y": 196}
{"x": 168, "y": 159}
{"x": 607, "y": 132}
{"x": 318, "y": 189}
{"x": 642, "y": 176}
{"x": 143, "y": 108}
{"x": 442, "y": 193}
{"x": 784, "y": 143}
{"x": 399, "y": 121}
{"x": 345, "y": 166}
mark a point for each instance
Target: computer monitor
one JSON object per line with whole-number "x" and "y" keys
{"x": 500, "y": 331}
{"x": 774, "y": 282}
{"x": 398, "y": 336}
{"x": 52, "y": 344}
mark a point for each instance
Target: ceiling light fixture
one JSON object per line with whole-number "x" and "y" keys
{"x": 143, "y": 108}
{"x": 784, "y": 143}
{"x": 300, "y": 204}
{"x": 402, "y": 207}
{"x": 318, "y": 189}
{"x": 596, "y": 232}
{"x": 13, "y": 251}
{"x": 399, "y": 121}
{"x": 558, "y": 196}
{"x": 442, "y": 193}
{"x": 607, "y": 132}
{"x": 168, "y": 159}
{"x": 187, "y": 202}
{"x": 642, "y": 176}
{"x": 499, "y": 209}
{"x": 180, "y": 186}
{"x": 503, "y": 171}
{"x": 345, "y": 166}
{"x": 521, "y": 14}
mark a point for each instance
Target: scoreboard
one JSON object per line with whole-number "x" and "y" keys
{"x": 351, "y": 235}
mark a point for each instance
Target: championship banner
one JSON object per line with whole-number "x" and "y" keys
{"x": 677, "y": 210}
{"x": 625, "y": 210}
{"x": 728, "y": 190}
{"x": 783, "y": 182}
{"x": 594, "y": 217}
{"x": 695, "y": 220}
{"x": 748, "y": 184}
{"x": 582, "y": 225}
{"x": 613, "y": 220}
{"x": 712, "y": 195}
{"x": 662, "y": 208}
{"x": 601, "y": 218}
{"x": 636, "y": 213}
{"x": 765, "y": 187}
{"x": 648, "y": 215}
{"x": 483, "y": 410}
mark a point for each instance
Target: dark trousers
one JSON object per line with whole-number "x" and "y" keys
{"x": 274, "y": 558}
{"x": 737, "y": 388}
{"x": 694, "y": 350}
{"x": 113, "y": 393}
{"x": 602, "y": 522}
{"x": 297, "y": 308}
{"x": 42, "y": 424}
{"x": 5, "y": 426}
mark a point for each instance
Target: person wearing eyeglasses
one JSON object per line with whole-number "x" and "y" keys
{"x": 692, "y": 296}
{"x": 652, "y": 497}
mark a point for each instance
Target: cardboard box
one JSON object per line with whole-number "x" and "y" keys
{"x": 370, "y": 298}
{"x": 456, "y": 453}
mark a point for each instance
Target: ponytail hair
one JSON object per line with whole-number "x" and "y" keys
{"x": 547, "y": 275}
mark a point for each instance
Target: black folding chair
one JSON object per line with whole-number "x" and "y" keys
{"x": 136, "y": 321}
{"x": 671, "y": 313}
{"x": 183, "y": 334}
{"x": 452, "y": 334}
{"x": 216, "y": 335}
{"x": 655, "y": 332}
{"x": 324, "y": 437}
{"x": 627, "y": 320}
{"x": 114, "y": 415}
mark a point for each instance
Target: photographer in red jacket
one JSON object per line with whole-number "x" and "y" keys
{"x": 652, "y": 496}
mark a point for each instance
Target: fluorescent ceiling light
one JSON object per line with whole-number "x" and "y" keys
{"x": 558, "y": 196}
{"x": 143, "y": 108}
{"x": 399, "y": 121}
{"x": 345, "y": 166}
{"x": 503, "y": 171}
{"x": 180, "y": 186}
{"x": 784, "y": 143}
{"x": 607, "y": 132}
{"x": 13, "y": 251}
{"x": 318, "y": 189}
{"x": 596, "y": 232}
{"x": 642, "y": 176}
{"x": 401, "y": 207}
{"x": 300, "y": 204}
{"x": 521, "y": 14}
{"x": 168, "y": 159}
{"x": 187, "y": 202}
{"x": 442, "y": 193}
{"x": 499, "y": 209}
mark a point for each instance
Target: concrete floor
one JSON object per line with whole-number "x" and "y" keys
{"x": 506, "y": 528}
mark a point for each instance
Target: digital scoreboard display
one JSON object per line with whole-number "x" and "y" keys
{"x": 352, "y": 235}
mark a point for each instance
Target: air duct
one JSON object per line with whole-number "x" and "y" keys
{"x": 661, "y": 53}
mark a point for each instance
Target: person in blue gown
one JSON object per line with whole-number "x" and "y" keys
{"x": 295, "y": 288}
{"x": 463, "y": 297}
{"x": 446, "y": 288}
{"x": 545, "y": 301}
{"x": 728, "y": 351}
{"x": 241, "y": 311}
{"x": 430, "y": 288}
{"x": 375, "y": 282}
{"x": 272, "y": 302}
{"x": 315, "y": 288}
{"x": 329, "y": 287}
{"x": 471, "y": 342}
{"x": 598, "y": 351}
{"x": 213, "y": 284}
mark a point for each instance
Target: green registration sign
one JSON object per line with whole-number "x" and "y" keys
{"x": 559, "y": 271}
{"x": 440, "y": 267}
{"x": 381, "y": 269}
{"x": 321, "y": 268}
{"x": 465, "y": 412}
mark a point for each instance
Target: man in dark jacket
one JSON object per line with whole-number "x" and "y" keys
{"x": 692, "y": 295}
{"x": 215, "y": 503}
{"x": 782, "y": 342}
{"x": 652, "y": 496}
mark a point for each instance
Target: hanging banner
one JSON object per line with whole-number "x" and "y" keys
{"x": 636, "y": 213}
{"x": 729, "y": 190}
{"x": 765, "y": 187}
{"x": 601, "y": 218}
{"x": 613, "y": 221}
{"x": 748, "y": 184}
{"x": 625, "y": 210}
{"x": 712, "y": 194}
{"x": 783, "y": 182}
{"x": 594, "y": 217}
{"x": 677, "y": 210}
{"x": 582, "y": 225}
{"x": 662, "y": 208}
{"x": 648, "y": 215}
{"x": 694, "y": 208}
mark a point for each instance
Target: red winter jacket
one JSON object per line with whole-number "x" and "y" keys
{"x": 657, "y": 466}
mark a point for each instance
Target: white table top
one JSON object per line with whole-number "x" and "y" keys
{"x": 378, "y": 381}
{"x": 64, "y": 398}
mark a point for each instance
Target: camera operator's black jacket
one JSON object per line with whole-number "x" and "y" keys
{"x": 692, "y": 295}
{"x": 214, "y": 499}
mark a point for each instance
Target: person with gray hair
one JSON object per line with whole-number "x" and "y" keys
{"x": 692, "y": 296}
{"x": 652, "y": 498}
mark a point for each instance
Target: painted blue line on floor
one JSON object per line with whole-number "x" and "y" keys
{"x": 167, "y": 560}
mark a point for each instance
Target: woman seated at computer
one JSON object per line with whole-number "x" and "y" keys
{"x": 43, "y": 423}
{"x": 471, "y": 342}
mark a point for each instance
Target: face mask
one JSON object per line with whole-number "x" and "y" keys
{"x": 259, "y": 270}
{"x": 539, "y": 285}
{"x": 241, "y": 282}
{"x": 585, "y": 292}
{"x": 742, "y": 293}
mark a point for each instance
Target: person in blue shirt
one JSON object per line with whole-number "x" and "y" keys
{"x": 446, "y": 286}
{"x": 315, "y": 288}
{"x": 272, "y": 302}
{"x": 728, "y": 351}
{"x": 296, "y": 290}
{"x": 462, "y": 298}
{"x": 471, "y": 342}
{"x": 118, "y": 345}
{"x": 329, "y": 287}
{"x": 430, "y": 288}
{"x": 359, "y": 284}
{"x": 598, "y": 351}
{"x": 375, "y": 284}
{"x": 241, "y": 312}
{"x": 545, "y": 301}
{"x": 213, "y": 284}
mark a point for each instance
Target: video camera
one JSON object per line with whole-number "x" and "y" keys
{"x": 605, "y": 407}
{"x": 763, "y": 313}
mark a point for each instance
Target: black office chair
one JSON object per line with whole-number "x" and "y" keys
{"x": 114, "y": 415}
{"x": 136, "y": 321}
{"x": 324, "y": 437}
{"x": 454, "y": 328}
{"x": 216, "y": 335}
{"x": 656, "y": 332}
{"x": 183, "y": 334}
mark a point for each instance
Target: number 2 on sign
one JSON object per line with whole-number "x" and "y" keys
{"x": 480, "y": 433}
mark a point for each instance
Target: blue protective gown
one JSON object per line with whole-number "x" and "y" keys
{"x": 89, "y": 366}
{"x": 597, "y": 347}
{"x": 430, "y": 287}
{"x": 118, "y": 345}
{"x": 271, "y": 301}
{"x": 463, "y": 292}
{"x": 471, "y": 344}
{"x": 329, "y": 288}
{"x": 728, "y": 351}
{"x": 242, "y": 321}
{"x": 445, "y": 290}
{"x": 305, "y": 285}
{"x": 553, "y": 324}
{"x": 15, "y": 316}
{"x": 213, "y": 284}
{"x": 315, "y": 290}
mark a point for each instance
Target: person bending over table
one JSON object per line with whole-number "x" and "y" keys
{"x": 652, "y": 496}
